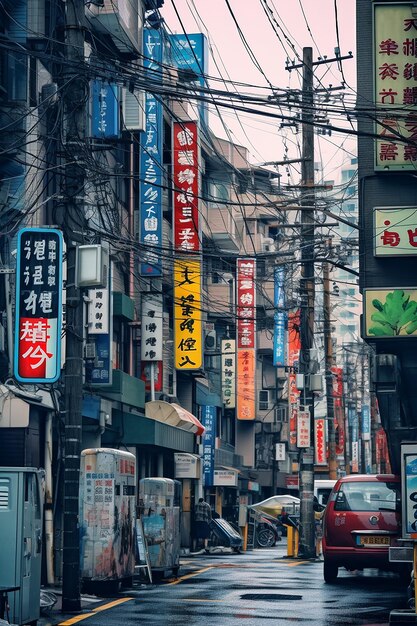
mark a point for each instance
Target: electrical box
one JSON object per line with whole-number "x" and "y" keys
{"x": 92, "y": 266}
{"x": 21, "y": 500}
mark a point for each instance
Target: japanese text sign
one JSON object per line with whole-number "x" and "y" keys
{"x": 320, "y": 441}
{"x": 151, "y": 157}
{"x": 303, "y": 429}
{"x": 98, "y": 311}
{"x": 246, "y": 338}
{"x": 186, "y": 187}
{"x": 208, "y": 419}
{"x": 104, "y": 110}
{"x": 395, "y": 69}
{"x": 278, "y": 355}
{"x": 38, "y": 305}
{"x": 188, "y": 327}
{"x": 98, "y": 371}
{"x": 228, "y": 347}
{"x": 152, "y": 318}
{"x": 366, "y": 422}
{"x": 395, "y": 231}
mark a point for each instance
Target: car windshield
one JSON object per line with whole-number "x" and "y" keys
{"x": 366, "y": 496}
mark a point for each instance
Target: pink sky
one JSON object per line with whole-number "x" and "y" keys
{"x": 233, "y": 60}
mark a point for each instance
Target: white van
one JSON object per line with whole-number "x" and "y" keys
{"x": 322, "y": 489}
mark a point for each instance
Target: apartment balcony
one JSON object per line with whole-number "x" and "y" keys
{"x": 222, "y": 228}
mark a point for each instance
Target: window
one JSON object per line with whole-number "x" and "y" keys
{"x": 366, "y": 496}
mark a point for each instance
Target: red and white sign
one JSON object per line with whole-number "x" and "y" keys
{"x": 246, "y": 339}
{"x": 38, "y": 305}
{"x": 186, "y": 187}
{"x": 303, "y": 429}
{"x": 320, "y": 441}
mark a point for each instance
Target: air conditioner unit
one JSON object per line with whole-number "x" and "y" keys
{"x": 210, "y": 340}
{"x": 267, "y": 244}
{"x": 133, "y": 109}
{"x": 280, "y": 414}
{"x": 264, "y": 400}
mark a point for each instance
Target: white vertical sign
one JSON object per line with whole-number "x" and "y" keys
{"x": 152, "y": 325}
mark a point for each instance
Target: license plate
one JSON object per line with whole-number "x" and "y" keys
{"x": 373, "y": 541}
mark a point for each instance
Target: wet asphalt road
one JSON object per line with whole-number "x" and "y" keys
{"x": 258, "y": 587}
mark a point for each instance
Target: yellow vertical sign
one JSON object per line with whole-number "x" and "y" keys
{"x": 188, "y": 328}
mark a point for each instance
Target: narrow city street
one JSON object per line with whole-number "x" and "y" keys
{"x": 255, "y": 587}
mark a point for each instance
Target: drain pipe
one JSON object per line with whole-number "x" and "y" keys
{"x": 48, "y": 515}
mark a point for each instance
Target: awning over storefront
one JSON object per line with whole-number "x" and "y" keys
{"x": 173, "y": 415}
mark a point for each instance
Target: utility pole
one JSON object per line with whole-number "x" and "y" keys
{"x": 307, "y": 546}
{"x": 75, "y": 94}
{"x": 328, "y": 349}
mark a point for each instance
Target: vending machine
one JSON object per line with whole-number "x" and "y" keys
{"x": 21, "y": 506}
{"x": 107, "y": 519}
{"x": 159, "y": 500}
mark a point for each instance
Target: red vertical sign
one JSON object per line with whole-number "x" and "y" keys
{"x": 246, "y": 340}
{"x": 186, "y": 187}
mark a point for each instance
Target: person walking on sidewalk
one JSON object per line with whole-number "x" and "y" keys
{"x": 202, "y": 519}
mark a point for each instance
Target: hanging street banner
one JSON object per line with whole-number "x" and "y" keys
{"x": 228, "y": 350}
{"x": 187, "y": 236}
{"x": 189, "y": 53}
{"x": 320, "y": 441}
{"x": 366, "y": 422}
{"x": 151, "y": 335}
{"x": 39, "y": 286}
{"x": 208, "y": 419}
{"x": 246, "y": 339}
{"x": 105, "y": 121}
{"x": 278, "y": 355}
{"x": 294, "y": 347}
{"x": 339, "y": 413}
{"x": 395, "y": 231}
{"x": 151, "y": 161}
{"x": 188, "y": 326}
{"x": 303, "y": 428}
{"x": 395, "y": 29}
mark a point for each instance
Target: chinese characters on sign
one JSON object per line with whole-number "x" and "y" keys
{"x": 278, "y": 355}
{"x": 188, "y": 325}
{"x": 395, "y": 231}
{"x": 294, "y": 346}
{"x": 98, "y": 370}
{"x": 229, "y": 373}
{"x": 339, "y": 413}
{"x": 395, "y": 53}
{"x": 303, "y": 428}
{"x": 151, "y": 156}
{"x": 208, "y": 419}
{"x": 320, "y": 442}
{"x": 38, "y": 305}
{"x": 104, "y": 110}
{"x": 186, "y": 187}
{"x": 151, "y": 347}
{"x": 246, "y": 339}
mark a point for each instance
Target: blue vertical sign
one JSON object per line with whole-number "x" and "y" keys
{"x": 208, "y": 419}
{"x": 189, "y": 52}
{"x": 105, "y": 120}
{"x": 278, "y": 356}
{"x": 366, "y": 423}
{"x": 353, "y": 422}
{"x": 151, "y": 153}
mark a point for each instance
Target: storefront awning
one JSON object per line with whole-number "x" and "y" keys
{"x": 173, "y": 415}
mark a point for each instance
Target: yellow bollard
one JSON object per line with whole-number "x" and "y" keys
{"x": 290, "y": 540}
{"x": 244, "y": 530}
{"x": 296, "y": 541}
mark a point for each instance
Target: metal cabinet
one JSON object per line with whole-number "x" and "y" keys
{"x": 21, "y": 499}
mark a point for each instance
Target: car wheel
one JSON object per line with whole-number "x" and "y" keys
{"x": 330, "y": 572}
{"x": 266, "y": 538}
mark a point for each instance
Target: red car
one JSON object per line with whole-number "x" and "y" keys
{"x": 361, "y": 521}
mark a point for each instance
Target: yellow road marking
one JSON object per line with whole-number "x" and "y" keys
{"x": 296, "y": 563}
{"x": 103, "y": 607}
{"x": 181, "y": 578}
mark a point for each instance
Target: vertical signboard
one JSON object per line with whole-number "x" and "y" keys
{"x": 294, "y": 347}
{"x": 246, "y": 339}
{"x": 339, "y": 416}
{"x": 278, "y": 356}
{"x": 395, "y": 83}
{"x": 152, "y": 308}
{"x": 366, "y": 422}
{"x": 208, "y": 419}
{"x": 320, "y": 441}
{"x": 151, "y": 161}
{"x": 37, "y": 354}
{"x": 188, "y": 327}
{"x": 189, "y": 52}
{"x": 105, "y": 122}
{"x": 303, "y": 429}
{"x": 98, "y": 366}
{"x": 228, "y": 347}
{"x": 186, "y": 187}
